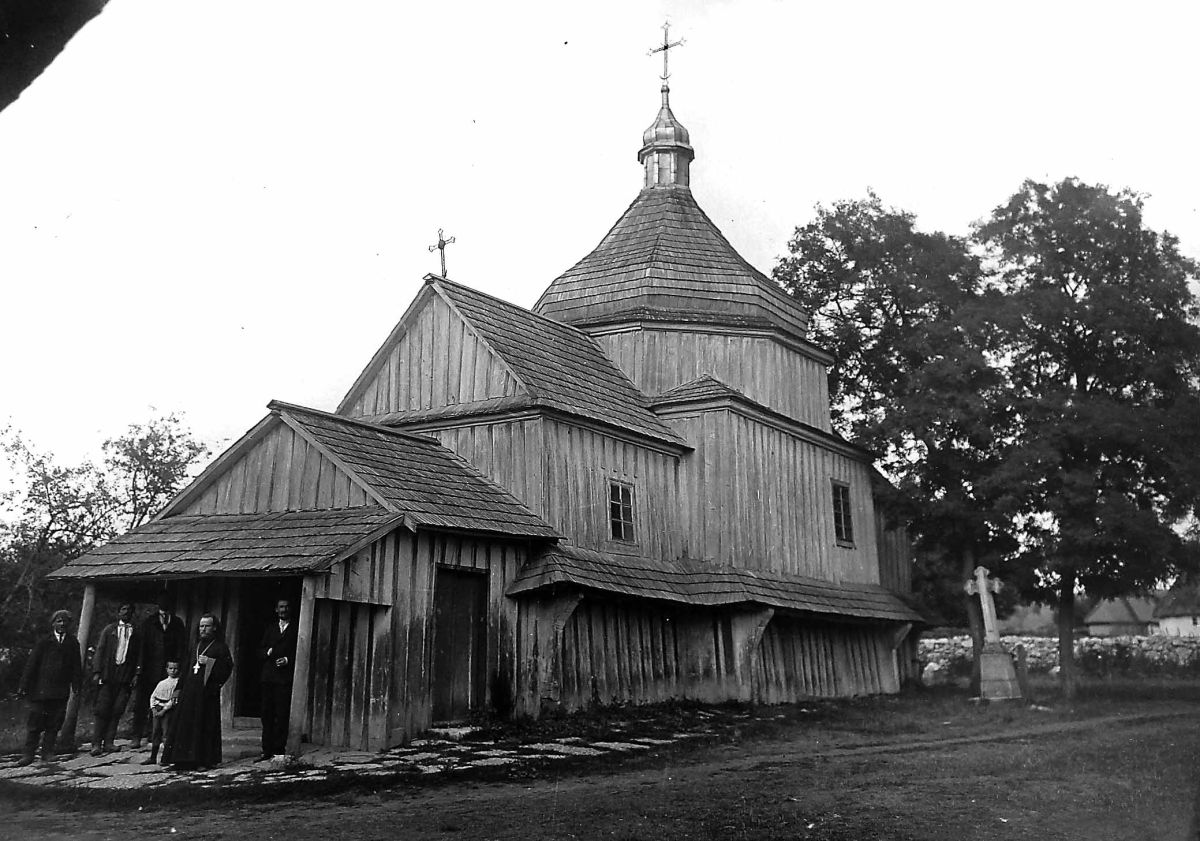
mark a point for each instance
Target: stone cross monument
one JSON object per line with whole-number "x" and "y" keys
{"x": 997, "y": 677}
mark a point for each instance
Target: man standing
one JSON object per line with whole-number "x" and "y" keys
{"x": 115, "y": 668}
{"x": 278, "y": 652}
{"x": 196, "y": 740}
{"x": 163, "y": 640}
{"x": 52, "y": 673}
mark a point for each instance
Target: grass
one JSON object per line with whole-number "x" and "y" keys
{"x": 766, "y": 773}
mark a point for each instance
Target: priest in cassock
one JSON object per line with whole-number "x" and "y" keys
{"x": 196, "y": 742}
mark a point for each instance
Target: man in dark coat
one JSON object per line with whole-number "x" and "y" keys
{"x": 115, "y": 668}
{"x": 196, "y": 741}
{"x": 278, "y": 653}
{"x": 54, "y": 670}
{"x": 163, "y": 639}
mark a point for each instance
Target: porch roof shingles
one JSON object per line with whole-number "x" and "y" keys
{"x": 206, "y": 544}
{"x": 700, "y": 583}
{"x": 430, "y": 484}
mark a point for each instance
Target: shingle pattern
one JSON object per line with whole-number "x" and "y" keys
{"x": 562, "y": 367}
{"x": 1123, "y": 611}
{"x": 664, "y": 259}
{"x": 708, "y": 387}
{"x": 699, "y": 583}
{"x": 1181, "y": 600}
{"x": 704, "y": 387}
{"x": 247, "y": 544}
{"x": 430, "y": 484}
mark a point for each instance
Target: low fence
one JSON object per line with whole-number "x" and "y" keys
{"x": 1161, "y": 656}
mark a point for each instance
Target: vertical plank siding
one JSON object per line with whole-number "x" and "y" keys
{"x": 561, "y": 472}
{"x": 370, "y": 680}
{"x": 765, "y": 370}
{"x": 757, "y": 496}
{"x": 895, "y": 556}
{"x": 437, "y": 362}
{"x": 799, "y": 658}
{"x": 279, "y": 473}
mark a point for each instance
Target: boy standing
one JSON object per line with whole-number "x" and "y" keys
{"x": 162, "y": 708}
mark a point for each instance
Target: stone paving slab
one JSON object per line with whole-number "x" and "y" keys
{"x": 450, "y": 750}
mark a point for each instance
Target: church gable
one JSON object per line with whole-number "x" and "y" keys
{"x": 432, "y": 359}
{"x": 273, "y": 468}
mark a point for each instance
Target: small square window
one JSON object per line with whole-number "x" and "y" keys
{"x": 620, "y": 510}
{"x": 843, "y": 520}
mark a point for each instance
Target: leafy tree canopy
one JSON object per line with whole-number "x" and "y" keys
{"x": 55, "y": 513}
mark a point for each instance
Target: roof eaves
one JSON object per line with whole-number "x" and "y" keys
{"x": 436, "y": 282}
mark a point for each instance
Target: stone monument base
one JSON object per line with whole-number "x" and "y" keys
{"x": 997, "y": 677}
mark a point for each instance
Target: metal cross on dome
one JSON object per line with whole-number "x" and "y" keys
{"x": 665, "y": 49}
{"x": 441, "y": 246}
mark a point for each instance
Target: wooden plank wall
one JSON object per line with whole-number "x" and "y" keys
{"x": 370, "y": 679}
{"x": 895, "y": 556}
{"x": 798, "y": 659}
{"x": 437, "y": 362}
{"x": 279, "y": 473}
{"x": 561, "y": 471}
{"x": 509, "y": 452}
{"x": 757, "y": 496}
{"x": 620, "y": 653}
{"x": 765, "y": 370}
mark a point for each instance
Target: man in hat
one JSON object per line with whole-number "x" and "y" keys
{"x": 115, "y": 668}
{"x": 163, "y": 640}
{"x": 54, "y": 670}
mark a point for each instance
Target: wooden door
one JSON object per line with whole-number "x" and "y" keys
{"x": 459, "y": 643}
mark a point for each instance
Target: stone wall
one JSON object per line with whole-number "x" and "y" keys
{"x": 950, "y": 657}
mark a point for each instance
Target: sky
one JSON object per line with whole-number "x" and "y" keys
{"x": 208, "y": 205}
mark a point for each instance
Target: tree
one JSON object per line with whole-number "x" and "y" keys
{"x": 56, "y": 514}
{"x": 1100, "y": 354}
{"x": 906, "y": 317}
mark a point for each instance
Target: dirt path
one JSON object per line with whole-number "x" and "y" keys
{"x": 1120, "y": 777}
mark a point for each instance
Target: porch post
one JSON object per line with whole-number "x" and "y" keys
{"x": 67, "y": 734}
{"x": 299, "y": 707}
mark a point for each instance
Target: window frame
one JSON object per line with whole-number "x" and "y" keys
{"x": 843, "y": 513}
{"x": 622, "y": 501}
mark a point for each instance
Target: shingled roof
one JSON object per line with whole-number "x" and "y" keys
{"x": 292, "y": 542}
{"x": 430, "y": 484}
{"x": 560, "y": 367}
{"x": 1181, "y": 600}
{"x": 665, "y": 260}
{"x": 698, "y": 583}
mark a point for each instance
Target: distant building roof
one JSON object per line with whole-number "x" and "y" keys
{"x": 1128, "y": 610}
{"x": 665, "y": 260}
{"x": 1181, "y": 600}
{"x": 699, "y": 583}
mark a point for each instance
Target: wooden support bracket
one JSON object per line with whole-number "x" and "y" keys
{"x": 748, "y": 628}
{"x": 552, "y": 618}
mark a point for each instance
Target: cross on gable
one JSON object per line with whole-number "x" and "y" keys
{"x": 441, "y": 246}
{"x": 665, "y": 49}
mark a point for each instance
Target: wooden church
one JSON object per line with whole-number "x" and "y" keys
{"x": 629, "y": 494}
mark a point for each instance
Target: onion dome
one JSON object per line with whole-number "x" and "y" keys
{"x": 666, "y": 152}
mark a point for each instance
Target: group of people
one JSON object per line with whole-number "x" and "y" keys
{"x": 174, "y": 684}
